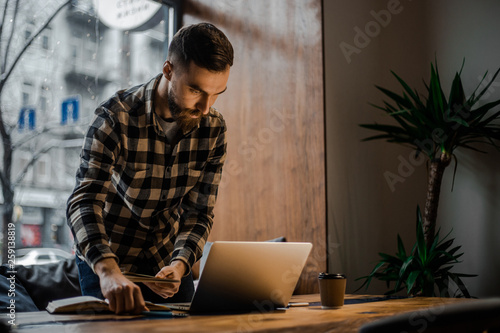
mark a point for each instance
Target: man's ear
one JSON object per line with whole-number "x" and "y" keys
{"x": 168, "y": 69}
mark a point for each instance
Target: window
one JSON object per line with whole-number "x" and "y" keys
{"x": 45, "y": 42}
{"x": 46, "y": 38}
{"x": 74, "y": 51}
{"x": 76, "y": 47}
{"x": 22, "y": 160}
{"x": 26, "y": 98}
{"x": 27, "y": 119}
{"x": 43, "y": 104}
{"x": 27, "y": 93}
{"x": 70, "y": 110}
{"x": 71, "y": 67}
{"x": 42, "y": 169}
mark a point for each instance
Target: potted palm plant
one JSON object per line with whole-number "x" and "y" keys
{"x": 424, "y": 271}
{"x": 434, "y": 125}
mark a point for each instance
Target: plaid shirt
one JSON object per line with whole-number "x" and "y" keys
{"x": 134, "y": 200}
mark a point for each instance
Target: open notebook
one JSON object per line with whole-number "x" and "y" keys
{"x": 247, "y": 276}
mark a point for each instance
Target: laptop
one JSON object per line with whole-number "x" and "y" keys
{"x": 247, "y": 276}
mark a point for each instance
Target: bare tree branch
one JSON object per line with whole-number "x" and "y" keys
{"x": 3, "y": 179}
{"x": 7, "y": 147}
{"x": 3, "y": 130}
{"x": 1, "y": 29}
{"x": 9, "y": 40}
{"x": 5, "y": 76}
{"x": 51, "y": 144}
{"x": 43, "y": 130}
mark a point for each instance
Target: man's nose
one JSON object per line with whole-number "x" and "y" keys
{"x": 203, "y": 105}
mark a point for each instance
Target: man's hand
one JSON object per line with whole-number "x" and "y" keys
{"x": 123, "y": 295}
{"x": 175, "y": 271}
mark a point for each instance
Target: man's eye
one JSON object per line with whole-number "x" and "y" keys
{"x": 194, "y": 91}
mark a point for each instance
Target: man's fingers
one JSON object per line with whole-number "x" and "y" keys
{"x": 119, "y": 301}
{"x": 169, "y": 289}
{"x": 162, "y": 289}
{"x": 140, "y": 305}
{"x": 165, "y": 274}
{"x": 171, "y": 286}
{"x": 112, "y": 302}
{"x": 128, "y": 299}
{"x": 123, "y": 295}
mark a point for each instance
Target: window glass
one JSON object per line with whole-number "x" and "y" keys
{"x": 74, "y": 63}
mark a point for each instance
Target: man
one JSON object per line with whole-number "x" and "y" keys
{"x": 150, "y": 168}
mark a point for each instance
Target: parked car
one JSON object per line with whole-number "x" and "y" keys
{"x": 38, "y": 256}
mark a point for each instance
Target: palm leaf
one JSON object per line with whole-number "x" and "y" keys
{"x": 478, "y": 97}
{"x": 418, "y": 119}
{"x": 401, "y": 248}
{"x": 436, "y": 100}
{"x": 457, "y": 94}
{"x": 459, "y": 284}
{"x": 413, "y": 94}
{"x": 401, "y": 101}
{"x": 412, "y": 278}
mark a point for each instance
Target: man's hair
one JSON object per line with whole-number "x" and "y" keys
{"x": 203, "y": 44}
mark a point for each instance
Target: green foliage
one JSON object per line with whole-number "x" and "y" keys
{"x": 436, "y": 125}
{"x": 424, "y": 270}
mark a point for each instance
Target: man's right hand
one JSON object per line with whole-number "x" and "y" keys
{"x": 123, "y": 295}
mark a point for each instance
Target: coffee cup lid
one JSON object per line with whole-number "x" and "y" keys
{"x": 331, "y": 276}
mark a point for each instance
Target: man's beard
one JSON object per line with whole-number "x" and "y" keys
{"x": 183, "y": 117}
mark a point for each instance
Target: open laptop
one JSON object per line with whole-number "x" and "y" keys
{"x": 247, "y": 276}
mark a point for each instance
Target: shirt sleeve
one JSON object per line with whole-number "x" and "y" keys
{"x": 198, "y": 205}
{"x": 85, "y": 205}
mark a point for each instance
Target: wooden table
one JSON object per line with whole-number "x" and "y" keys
{"x": 295, "y": 319}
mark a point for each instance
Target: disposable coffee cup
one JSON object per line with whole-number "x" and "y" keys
{"x": 332, "y": 290}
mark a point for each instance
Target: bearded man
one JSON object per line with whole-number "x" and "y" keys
{"x": 150, "y": 167}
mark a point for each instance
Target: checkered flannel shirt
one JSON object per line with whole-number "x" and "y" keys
{"x": 135, "y": 202}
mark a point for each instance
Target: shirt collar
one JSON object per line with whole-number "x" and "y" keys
{"x": 151, "y": 87}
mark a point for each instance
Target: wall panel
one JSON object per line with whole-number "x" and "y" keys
{"x": 274, "y": 178}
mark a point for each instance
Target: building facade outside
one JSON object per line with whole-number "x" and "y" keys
{"x": 72, "y": 66}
